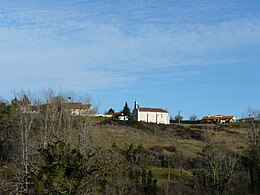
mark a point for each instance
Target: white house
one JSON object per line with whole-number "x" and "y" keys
{"x": 150, "y": 115}
{"x": 78, "y": 108}
{"x": 219, "y": 119}
{"x": 123, "y": 118}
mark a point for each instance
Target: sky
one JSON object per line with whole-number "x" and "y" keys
{"x": 195, "y": 56}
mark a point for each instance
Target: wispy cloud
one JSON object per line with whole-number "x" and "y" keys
{"x": 87, "y": 45}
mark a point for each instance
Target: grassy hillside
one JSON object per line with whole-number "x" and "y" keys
{"x": 189, "y": 140}
{"x": 51, "y": 151}
{"x": 125, "y": 157}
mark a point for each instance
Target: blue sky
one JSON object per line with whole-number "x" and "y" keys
{"x": 200, "y": 57}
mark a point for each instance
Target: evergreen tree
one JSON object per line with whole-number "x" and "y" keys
{"x": 126, "y": 110}
{"x": 63, "y": 169}
{"x": 110, "y": 111}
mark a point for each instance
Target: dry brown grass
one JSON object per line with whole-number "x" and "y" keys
{"x": 190, "y": 140}
{"x": 122, "y": 136}
{"x": 233, "y": 139}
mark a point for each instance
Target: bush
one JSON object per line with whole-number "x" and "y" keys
{"x": 62, "y": 169}
{"x": 191, "y": 134}
{"x": 156, "y": 148}
{"x": 5, "y": 150}
{"x": 171, "y": 148}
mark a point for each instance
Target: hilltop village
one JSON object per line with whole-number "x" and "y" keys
{"x": 143, "y": 114}
{"x": 162, "y": 116}
{"x": 60, "y": 146}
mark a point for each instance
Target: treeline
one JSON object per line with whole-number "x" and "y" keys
{"x": 44, "y": 149}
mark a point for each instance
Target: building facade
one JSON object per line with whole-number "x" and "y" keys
{"x": 78, "y": 109}
{"x": 150, "y": 115}
{"x": 219, "y": 119}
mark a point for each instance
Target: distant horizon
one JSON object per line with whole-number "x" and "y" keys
{"x": 196, "y": 57}
{"x": 81, "y": 99}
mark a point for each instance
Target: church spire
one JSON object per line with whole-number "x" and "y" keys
{"x": 136, "y": 105}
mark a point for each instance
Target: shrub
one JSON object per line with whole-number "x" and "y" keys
{"x": 156, "y": 148}
{"x": 62, "y": 169}
{"x": 171, "y": 148}
{"x": 5, "y": 150}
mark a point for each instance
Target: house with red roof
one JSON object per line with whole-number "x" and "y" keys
{"x": 150, "y": 115}
{"x": 219, "y": 119}
{"x": 121, "y": 116}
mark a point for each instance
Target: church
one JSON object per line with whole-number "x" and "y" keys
{"x": 150, "y": 115}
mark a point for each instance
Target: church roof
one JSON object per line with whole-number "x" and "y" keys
{"x": 152, "y": 110}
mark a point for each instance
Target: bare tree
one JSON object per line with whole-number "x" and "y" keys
{"x": 56, "y": 119}
{"x": 218, "y": 169}
{"x": 178, "y": 117}
{"x": 193, "y": 117}
{"x": 61, "y": 121}
{"x": 38, "y": 123}
{"x": 23, "y": 119}
{"x": 252, "y": 113}
{"x": 254, "y": 150}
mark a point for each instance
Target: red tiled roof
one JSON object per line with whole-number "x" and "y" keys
{"x": 116, "y": 114}
{"x": 152, "y": 110}
{"x": 217, "y": 117}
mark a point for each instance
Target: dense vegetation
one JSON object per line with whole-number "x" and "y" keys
{"x": 46, "y": 150}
